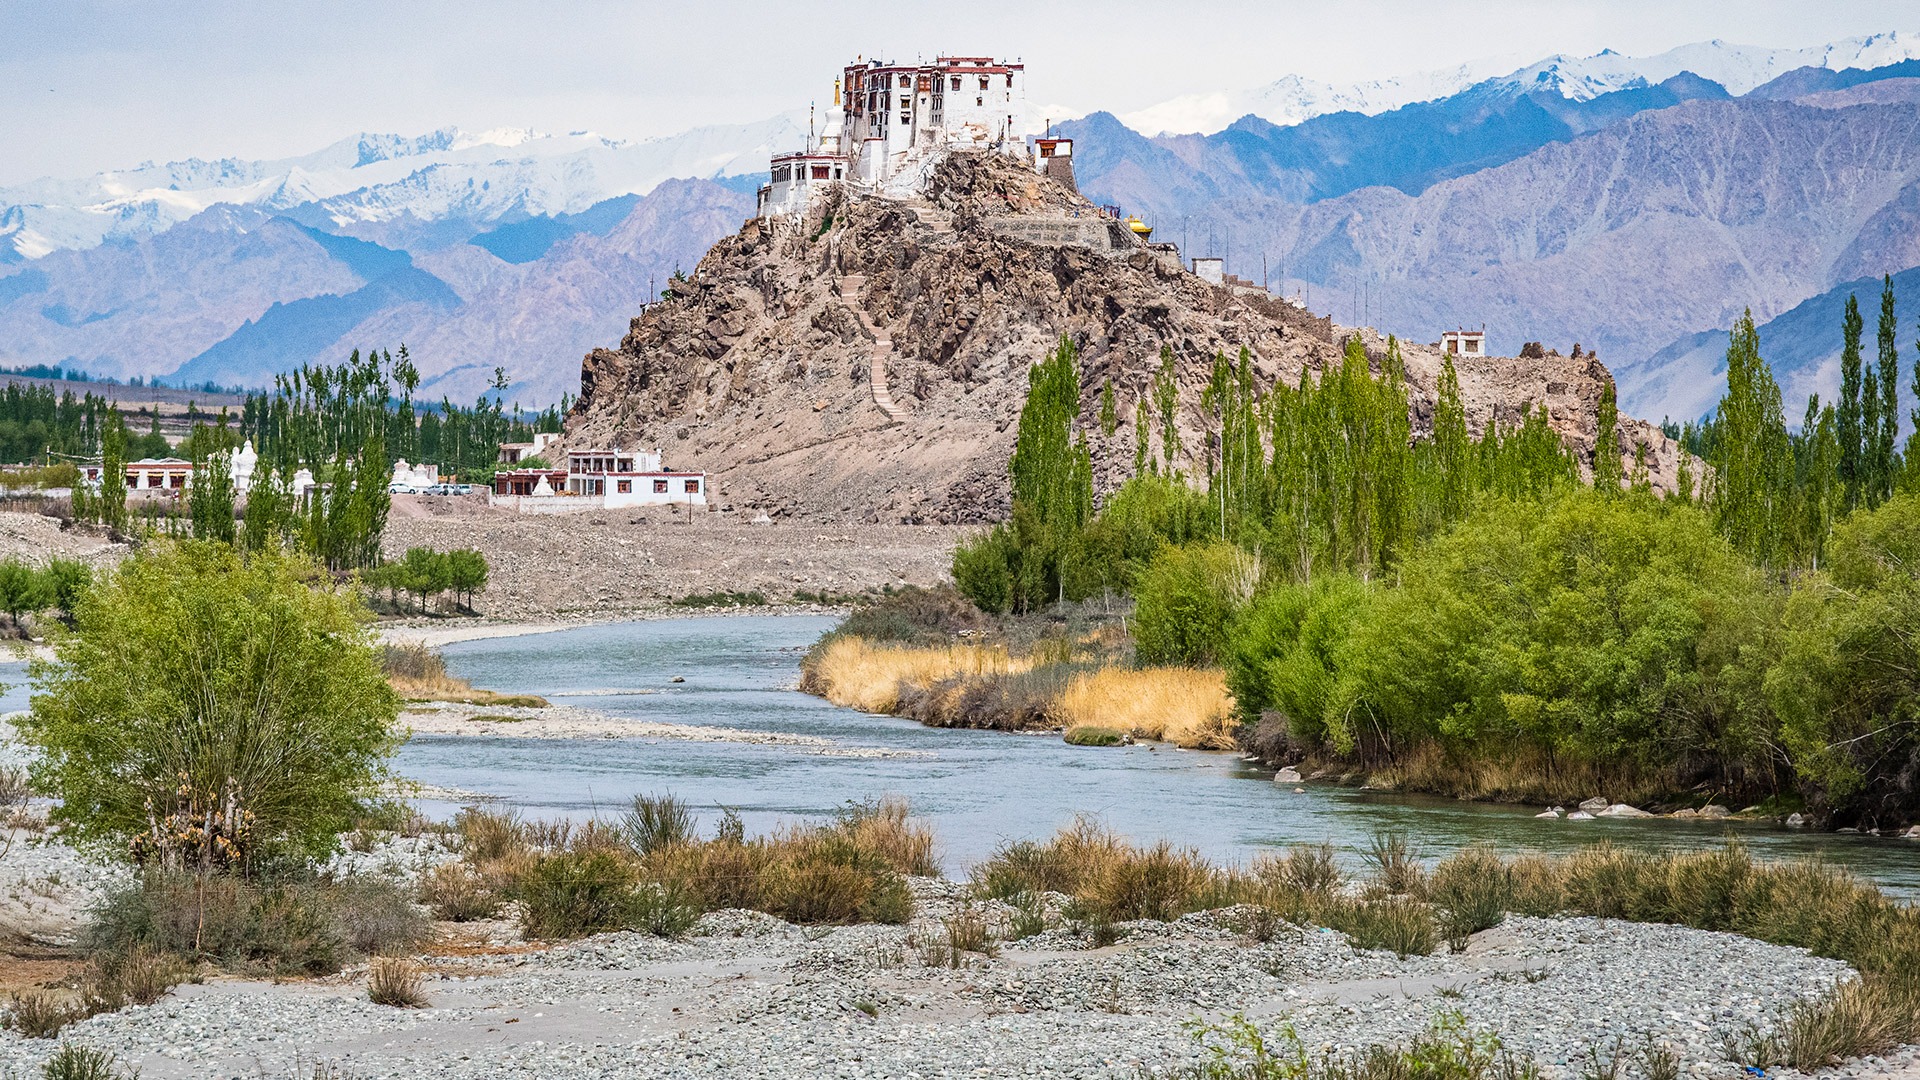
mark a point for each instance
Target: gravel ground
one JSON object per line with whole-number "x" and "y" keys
{"x": 746, "y": 995}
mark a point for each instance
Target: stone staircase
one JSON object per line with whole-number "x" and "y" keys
{"x": 850, "y": 286}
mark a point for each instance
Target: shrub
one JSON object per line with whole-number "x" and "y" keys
{"x": 40, "y": 1014}
{"x": 983, "y": 569}
{"x": 72, "y": 1062}
{"x": 279, "y": 734}
{"x": 487, "y": 834}
{"x": 1308, "y": 868}
{"x": 1092, "y": 735}
{"x": 1395, "y": 862}
{"x": 661, "y": 910}
{"x": 1185, "y": 599}
{"x": 395, "y": 981}
{"x": 141, "y": 976}
{"x": 1473, "y": 890}
{"x": 286, "y": 927}
{"x": 571, "y": 894}
{"x": 457, "y": 892}
{"x": 656, "y": 821}
{"x": 1398, "y": 924}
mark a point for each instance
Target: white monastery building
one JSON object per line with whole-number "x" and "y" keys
{"x": 895, "y": 123}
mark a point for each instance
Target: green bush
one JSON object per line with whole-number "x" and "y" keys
{"x": 292, "y": 926}
{"x": 271, "y": 718}
{"x": 1185, "y": 599}
{"x": 983, "y": 569}
{"x": 656, "y": 821}
{"x": 1093, "y": 735}
{"x": 574, "y": 893}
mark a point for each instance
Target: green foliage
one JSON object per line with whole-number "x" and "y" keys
{"x": 1753, "y": 467}
{"x": 1606, "y": 445}
{"x": 1850, "y": 421}
{"x": 67, "y": 580}
{"x": 1846, "y": 685}
{"x": 22, "y": 589}
{"x": 112, "y": 504}
{"x": 1185, "y": 599}
{"x": 983, "y": 569}
{"x": 1093, "y": 735}
{"x": 1285, "y": 651}
{"x": 270, "y": 715}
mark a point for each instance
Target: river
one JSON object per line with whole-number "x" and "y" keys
{"x": 977, "y": 788}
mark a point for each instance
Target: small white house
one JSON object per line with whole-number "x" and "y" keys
{"x": 1464, "y": 343}
{"x": 597, "y": 479}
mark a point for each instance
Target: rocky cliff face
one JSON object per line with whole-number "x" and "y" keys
{"x": 764, "y": 366}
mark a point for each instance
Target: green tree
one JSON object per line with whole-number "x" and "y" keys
{"x": 210, "y": 503}
{"x": 1142, "y": 435}
{"x": 1452, "y": 446}
{"x": 1166, "y": 403}
{"x": 22, "y": 590}
{"x": 467, "y": 569}
{"x": 269, "y": 507}
{"x": 1846, "y": 683}
{"x": 1606, "y": 445}
{"x": 426, "y": 573}
{"x": 113, "y": 474}
{"x": 1753, "y": 468}
{"x": 1882, "y": 465}
{"x": 274, "y": 722}
{"x": 67, "y": 580}
{"x": 1850, "y": 417}
{"x": 1109, "y": 411}
{"x": 1185, "y": 599}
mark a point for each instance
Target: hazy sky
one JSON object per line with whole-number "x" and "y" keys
{"x": 87, "y": 85}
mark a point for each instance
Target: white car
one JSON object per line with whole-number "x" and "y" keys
{"x": 402, "y": 489}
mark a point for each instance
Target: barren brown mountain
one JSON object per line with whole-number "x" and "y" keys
{"x": 869, "y": 362}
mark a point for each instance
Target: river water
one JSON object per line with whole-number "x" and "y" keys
{"x": 977, "y": 788}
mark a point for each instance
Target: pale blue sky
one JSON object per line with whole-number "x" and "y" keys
{"x": 92, "y": 84}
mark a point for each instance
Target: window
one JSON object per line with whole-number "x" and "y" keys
{"x": 693, "y": 487}
{"x": 956, "y": 82}
{"x": 979, "y": 99}
{"x": 905, "y": 81}
{"x": 626, "y": 487}
{"x": 983, "y": 82}
{"x": 823, "y": 172}
{"x": 659, "y": 487}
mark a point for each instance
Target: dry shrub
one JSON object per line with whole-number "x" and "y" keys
{"x": 395, "y": 981}
{"x": 1472, "y": 890}
{"x": 1307, "y": 868}
{"x": 40, "y": 1014}
{"x": 885, "y": 828}
{"x": 1186, "y": 706}
{"x": 457, "y": 892}
{"x": 856, "y": 673}
{"x": 486, "y": 834}
{"x": 1078, "y": 853}
{"x": 142, "y": 976}
{"x": 1160, "y": 882}
{"x": 1396, "y": 864}
{"x": 418, "y": 673}
{"x": 655, "y": 822}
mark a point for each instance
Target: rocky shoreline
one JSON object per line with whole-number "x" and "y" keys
{"x": 747, "y": 995}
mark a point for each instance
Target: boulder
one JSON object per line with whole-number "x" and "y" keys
{"x": 1912, "y": 833}
{"x": 1715, "y": 811}
{"x": 1621, "y": 809}
{"x": 1552, "y": 813}
{"x": 1593, "y": 805}
{"x": 1287, "y": 775}
{"x": 1796, "y": 821}
{"x": 1579, "y": 815}
{"x": 1686, "y": 813}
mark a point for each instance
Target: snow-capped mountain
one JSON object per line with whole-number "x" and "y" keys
{"x": 481, "y": 177}
{"x": 1738, "y": 68}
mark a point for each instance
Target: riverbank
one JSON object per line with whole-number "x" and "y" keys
{"x": 745, "y": 994}
{"x": 574, "y": 722}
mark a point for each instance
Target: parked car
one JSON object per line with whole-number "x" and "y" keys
{"x": 462, "y": 489}
{"x": 402, "y": 489}
{"x": 440, "y": 489}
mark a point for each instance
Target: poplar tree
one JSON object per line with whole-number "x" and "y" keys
{"x": 1752, "y": 460}
{"x": 210, "y": 503}
{"x": 1166, "y": 399}
{"x": 1606, "y": 446}
{"x": 113, "y": 473}
{"x": 1881, "y": 475}
{"x": 1850, "y": 418}
{"x": 1452, "y": 449}
{"x": 1109, "y": 412}
{"x": 1142, "y": 435}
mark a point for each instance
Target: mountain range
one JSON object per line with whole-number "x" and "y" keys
{"x": 1636, "y": 205}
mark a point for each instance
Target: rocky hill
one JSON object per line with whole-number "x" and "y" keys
{"x": 869, "y": 362}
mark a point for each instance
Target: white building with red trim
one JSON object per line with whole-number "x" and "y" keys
{"x": 595, "y": 479}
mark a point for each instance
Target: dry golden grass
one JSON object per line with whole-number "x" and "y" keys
{"x": 1186, "y": 706}
{"x": 417, "y": 673}
{"x": 865, "y": 676}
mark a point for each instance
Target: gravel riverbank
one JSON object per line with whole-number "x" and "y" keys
{"x": 746, "y": 995}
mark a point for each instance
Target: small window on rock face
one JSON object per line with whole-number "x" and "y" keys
{"x": 659, "y": 487}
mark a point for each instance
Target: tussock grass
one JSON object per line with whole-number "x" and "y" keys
{"x": 395, "y": 981}
{"x": 654, "y": 873}
{"x": 1186, "y": 706}
{"x": 72, "y": 1062}
{"x": 1092, "y": 735}
{"x": 861, "y": 674}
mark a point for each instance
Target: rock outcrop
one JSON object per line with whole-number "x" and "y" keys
{"x": 765, "y": 365}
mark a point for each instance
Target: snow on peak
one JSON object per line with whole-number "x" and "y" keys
{"x": 1739, "y": 68}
